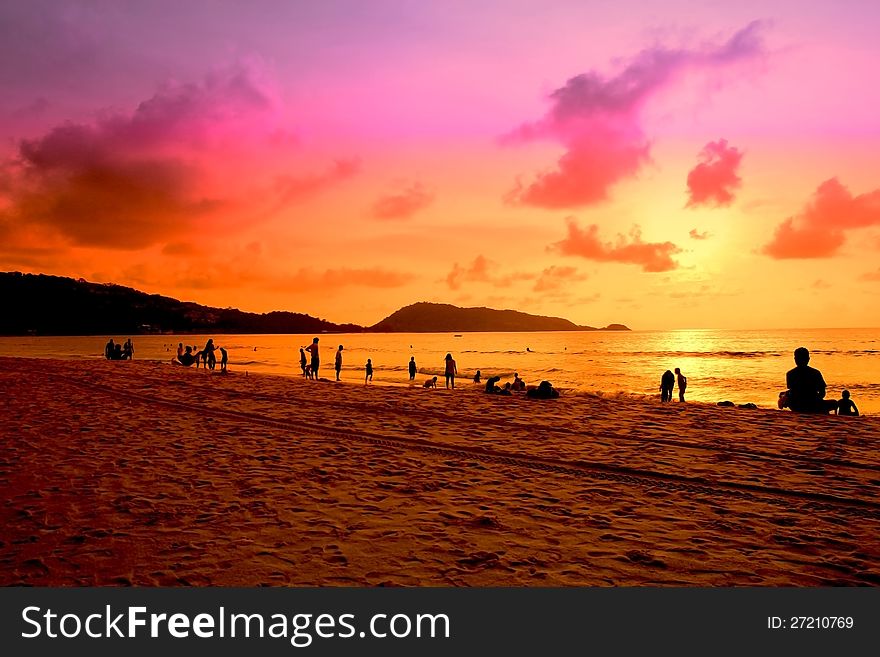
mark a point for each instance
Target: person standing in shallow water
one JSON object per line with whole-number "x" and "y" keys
{"x": 451, "y": 371}
{"x": 412, "y": 368}
{"x": 667, "y": 383}
{"x": 302, "y": 360}
{"x": 316, "y": 359}
{"x": 368, "y": 371}
{"x": 806, "y": 387}
{"x": 682, "y": 384}
{"x": 338, "y": 364}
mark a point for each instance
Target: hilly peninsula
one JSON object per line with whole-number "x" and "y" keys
{"x": 442, "y": 317}
{"x": 38, "y": 304}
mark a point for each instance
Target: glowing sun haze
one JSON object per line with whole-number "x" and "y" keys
{"x": 661, "y": 164}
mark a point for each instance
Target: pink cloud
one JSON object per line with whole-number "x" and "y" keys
{"x": 715, "y": 178}
{"x": 652, "y": 256}
{"x": 482, "y": 270}
{"x": 598, "y": 120}
{"x": 555, "y": 278}
{"x": 294, "y": 188}
{"x": 697, "y": 235}
{"x": 820, "y": 229}
{"x": 403, "y": 204}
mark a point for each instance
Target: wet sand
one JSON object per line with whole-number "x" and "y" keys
{"x": 119, "y": 473}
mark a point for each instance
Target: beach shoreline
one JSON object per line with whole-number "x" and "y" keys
{"x": 140, "y": 473}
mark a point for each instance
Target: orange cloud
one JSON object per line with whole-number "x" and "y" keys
{"x": 403, "y": 204}
{"x": 697, "y": 235}
{"x": 820, "y": 229}
{"x": 713, "y": 181}
{"x": 872, "y": 276}
{"x": 653, "y": 257}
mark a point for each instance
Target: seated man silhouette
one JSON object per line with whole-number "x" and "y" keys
{"x": 806, "y": 387}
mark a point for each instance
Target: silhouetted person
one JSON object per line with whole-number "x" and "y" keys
{"x": 667, "y": 383}
{"x": 368, "y": 371}
{"x": 109, "y": 349}
{"x": 224, "y": 359}
{"x": 431, "y": 383}
{"x": 491, "y": 386}
{"x": 117, "y": 352}
{"x": 451, "y": 371}
{"x": 179, "y": 349}
{"x": 302, "y": 360}
{"x": 209, "y": 355}
{"x": 544, "y": 391}
{"x": 186, "y": 359}
{"x": 682, "y": 384}
{"x": 806, "y": 387}
{"x": 412, "y": 367}
{"x": 316, "y": 359}
{"x": 128, "y": 350}
{"x": 477, "y": 376}
{"x": 338, "y": 364}
{"x": 518, "y": 383}
{"x": 847, "y": 406}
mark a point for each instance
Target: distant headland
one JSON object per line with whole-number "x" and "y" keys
{"x": 38, "y": 304}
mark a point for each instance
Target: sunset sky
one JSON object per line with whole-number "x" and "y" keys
{"x": 662, "y": 164}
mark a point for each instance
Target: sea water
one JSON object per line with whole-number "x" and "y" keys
{"x": 736, "y": 365}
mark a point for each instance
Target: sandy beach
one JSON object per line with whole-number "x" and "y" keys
{"x": 136, "y": 473}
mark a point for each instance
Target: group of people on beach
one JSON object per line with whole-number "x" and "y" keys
{"x": 187, "y": 356}
{"x": 116, "y": 351}
{"x": 805, "y": 391}
{"x": 310, "y": 365}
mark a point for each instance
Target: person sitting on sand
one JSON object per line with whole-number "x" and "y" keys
{"x": 224, "y": 359}
{"x": 368, "y": 371}
{"x": 117, "y": 351}
{"x": 491, "y": 388}
{"x": 505, "y": 390}
{"x": 338, "y": 364}
{"x": 302, "y": 360}
{"x": 186, "y": 359}
{"x": 806, "y": 387}
{"x": 316, "y": 359}
{"x": 412, "y": 368}
{"x": 682, "y": 384}
{"x": 544, "y": 391}
{"x": 431, "y": 383}
{"x": 518, "y": 384}
{"x": 847, "y": 406}
{"x": 478, "y": 376}
{"x": 451, "y": 371}
{"x": 667, "y": 383}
